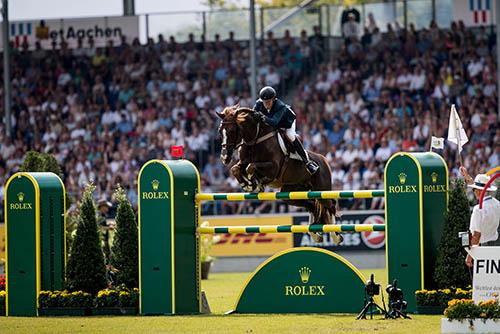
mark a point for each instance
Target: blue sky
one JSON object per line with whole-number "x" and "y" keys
{"x": 35, "y": 9}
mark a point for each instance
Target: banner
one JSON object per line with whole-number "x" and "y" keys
{"x": 262, "y": 244}
{"x": 100, "y": 29}
{"x": 486, "y": 279}
{"x": 253, "y": 244}
{"x": 352, "y": 241}
{"x": 474, "y": 12}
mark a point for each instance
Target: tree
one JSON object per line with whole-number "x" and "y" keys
{"x": 451, "y": 270}
{"x": 124, "y": 252}
{"x": 86, "y": 270}
{"x": 40, "y": 162}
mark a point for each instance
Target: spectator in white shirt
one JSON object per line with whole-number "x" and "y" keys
{"x": 417, "y": 81}
{"x": 384, "y": 152}
{"x": 483, "y": 222}
{"x": 351, "y": 27}
{"x": 272, "y": 77}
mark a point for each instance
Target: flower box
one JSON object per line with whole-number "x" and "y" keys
{"x": 64, "y": 311}
{"x": 115, "y": 311}
{"x": 470, "y": 326}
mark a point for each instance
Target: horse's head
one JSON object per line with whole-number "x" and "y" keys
{"x": 229, "y": 133}
{"x": 233, "y": 118}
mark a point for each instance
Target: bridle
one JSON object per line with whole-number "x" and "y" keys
{"x": 256, "y": 139}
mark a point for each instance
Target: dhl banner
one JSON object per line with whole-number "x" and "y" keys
{"x": 261, "y": 244}
{"x": 254, "y": 244}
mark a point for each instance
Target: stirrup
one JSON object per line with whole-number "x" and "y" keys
{"x": 312, "y": 167}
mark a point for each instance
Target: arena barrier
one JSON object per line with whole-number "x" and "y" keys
{"x": 297, "y": 280}
{"x": 290, "y": 229}
{"x": 35, "y": 242}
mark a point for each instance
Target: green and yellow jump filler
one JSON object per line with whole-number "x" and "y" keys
{"x": 35, "y": 239}
{"x": 297, "y": 280}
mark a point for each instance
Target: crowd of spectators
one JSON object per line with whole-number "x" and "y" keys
{"x": 103, "y": 112}
{"x": 377, "y": 96}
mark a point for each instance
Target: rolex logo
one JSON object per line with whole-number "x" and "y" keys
{"x": 304, "y": 274}
{"x": 20, "y": 197}
{"x": 155, "y": 184}
{"x": 434, "y": 177}
{"x": 402, "y": 178}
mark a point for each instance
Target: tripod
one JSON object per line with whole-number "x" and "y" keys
{"x": 395, "y": 313}
{"x": 369, "y": 306}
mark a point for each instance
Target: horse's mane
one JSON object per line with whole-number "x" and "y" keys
{"x": 240, "y": 115}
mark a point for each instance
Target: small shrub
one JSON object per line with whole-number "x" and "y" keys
{"x": 460, "y": 309}
{"x": 440, "y": 297}
{"x": 2, "y": 298}
{"x": 48, "y": 299}
{"x": 107, "y": 298}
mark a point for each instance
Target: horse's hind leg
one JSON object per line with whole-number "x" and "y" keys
{"x": 326, "y": 215}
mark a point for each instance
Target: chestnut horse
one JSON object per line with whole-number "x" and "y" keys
{"x": 263, "y": 163}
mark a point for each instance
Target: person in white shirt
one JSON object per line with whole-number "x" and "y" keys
{"x": 351, "y": 27}
{"x": 483, "y": 222}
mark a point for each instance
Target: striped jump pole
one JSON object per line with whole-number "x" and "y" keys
{"x": 294, "y": 195}
{"x": 291, "y": 228}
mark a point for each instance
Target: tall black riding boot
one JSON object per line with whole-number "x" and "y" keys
{"x": 311, "y": 166}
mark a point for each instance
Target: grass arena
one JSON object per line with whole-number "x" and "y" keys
{"x": 303, "y": 280}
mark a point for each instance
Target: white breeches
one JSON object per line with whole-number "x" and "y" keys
{"x": 290, "y": 133}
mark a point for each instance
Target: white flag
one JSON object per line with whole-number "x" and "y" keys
{"x": 437, "y": 142}
{"x": 456, "y": 132}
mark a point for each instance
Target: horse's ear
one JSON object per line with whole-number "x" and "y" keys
{"x": 221, "y": 115}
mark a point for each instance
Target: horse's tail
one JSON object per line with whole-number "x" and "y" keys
{"x": 326, "y": 210}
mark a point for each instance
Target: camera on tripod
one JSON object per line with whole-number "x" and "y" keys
{"x": 371, "y": 288}
{"x": 397, "y": 304}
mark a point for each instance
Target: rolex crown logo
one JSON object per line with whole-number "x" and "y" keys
{"x": 402, "y": 178}
{"x": 20, "y": 197}
{"x": 434, "y": 177}
{"x": 304, "y": 274}
{"x": 155, "y": 184}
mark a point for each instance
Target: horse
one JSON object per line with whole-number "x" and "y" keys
{"x": 262, "y": 162}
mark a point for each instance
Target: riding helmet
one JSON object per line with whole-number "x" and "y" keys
{"x": 267, "y": 93}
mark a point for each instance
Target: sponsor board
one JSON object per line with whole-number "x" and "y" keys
{"x": 474, "y": 13}
{"x": 352, "y": 241}
{"x": 252, "y": 244}
{"x": 100, "y": 29}
{"x": 262, "y": 244}
{"x": 486, "y": 279}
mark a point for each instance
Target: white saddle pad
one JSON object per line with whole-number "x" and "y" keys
{"x": 285, "y": 151}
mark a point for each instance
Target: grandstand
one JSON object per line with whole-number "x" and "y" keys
{"x": 104, "y": 111}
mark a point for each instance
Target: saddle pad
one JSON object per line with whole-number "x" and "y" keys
{"x": 285, "y": 151}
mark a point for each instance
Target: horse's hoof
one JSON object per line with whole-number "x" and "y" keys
{"x": 317, "y": 237}
{"x": 247, "y": 188}
{"x": 336, "y": 238}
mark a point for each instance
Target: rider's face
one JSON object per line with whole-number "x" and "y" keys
{"x": 268, "y": 104}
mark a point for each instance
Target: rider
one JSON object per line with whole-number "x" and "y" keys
{"x": 280, "y": 115}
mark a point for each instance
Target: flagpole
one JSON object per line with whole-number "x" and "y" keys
{"x": 459, "y": 141}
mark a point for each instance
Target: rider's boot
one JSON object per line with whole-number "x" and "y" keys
{"x": 311, "y": 166}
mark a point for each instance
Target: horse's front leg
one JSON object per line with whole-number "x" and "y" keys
{"x": 261, "y": 173}
{"x": 244, "y": 181}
